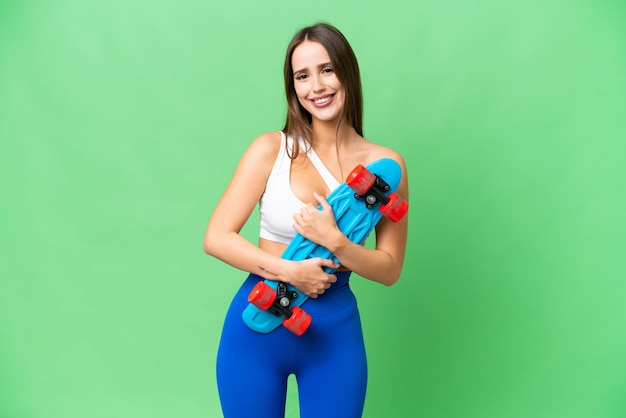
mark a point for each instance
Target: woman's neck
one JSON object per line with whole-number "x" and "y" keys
{"x": 326, "y": 134}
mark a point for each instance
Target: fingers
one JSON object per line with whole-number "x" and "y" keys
{"x": 309, "y": 210}
{"x": 305, "y": 213}
{"x": 322, "y": 201}
{"x": 297, "y": 217}
{"x": 324, "y": 262}
{"x": 310, "y": 215}
{"x": 313, "y": 280}
{"x": 326, "y": 285}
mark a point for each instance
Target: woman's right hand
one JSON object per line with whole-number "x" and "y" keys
{"x": 309, "y": 277}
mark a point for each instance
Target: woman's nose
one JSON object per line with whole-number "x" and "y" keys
{"x": 318, "y": 84}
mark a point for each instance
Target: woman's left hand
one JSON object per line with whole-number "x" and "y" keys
{"x": 317, "y": 225}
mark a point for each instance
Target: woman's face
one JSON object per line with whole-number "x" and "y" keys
{"x": 317, "y": 86}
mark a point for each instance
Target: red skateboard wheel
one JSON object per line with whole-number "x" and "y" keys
{"x": 262, "y": 296}
{"x": 395, "y": 208}
{"x": 299, "y": 321}
{"x": 360, "y": 179}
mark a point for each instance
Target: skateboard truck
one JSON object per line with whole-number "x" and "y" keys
{"x": 283, "y": 301}
{"x": 372, "y": 189}
{"x": 375, "y": 194}
{"x": 278, "y": 303}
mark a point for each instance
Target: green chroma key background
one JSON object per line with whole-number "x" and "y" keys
{"x": 121, "y": 123}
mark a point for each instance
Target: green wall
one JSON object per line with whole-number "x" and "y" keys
{"x": 122, "y": 121}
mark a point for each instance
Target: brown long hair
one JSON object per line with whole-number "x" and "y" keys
{"x": 346, "y": 67}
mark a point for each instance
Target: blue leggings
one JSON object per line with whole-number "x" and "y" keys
{"x": 328, "y": 360}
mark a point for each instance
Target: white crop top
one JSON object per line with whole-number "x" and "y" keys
{"x": 278, "y": 203}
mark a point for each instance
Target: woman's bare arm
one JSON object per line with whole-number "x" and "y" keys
{"x": 223, "y": 240}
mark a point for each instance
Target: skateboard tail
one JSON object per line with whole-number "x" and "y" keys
{"x": 258, "y": 320}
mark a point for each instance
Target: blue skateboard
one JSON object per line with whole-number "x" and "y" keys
{"x": 358, "y": 204}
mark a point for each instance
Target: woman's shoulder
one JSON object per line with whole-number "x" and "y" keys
{"x": 268, "y": 140}
{"x": 266, "y": 145}
{"x": 377, "y": 151}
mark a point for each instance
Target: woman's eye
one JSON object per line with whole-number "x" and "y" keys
{"x": 301, "y": 77}
{"x": 327, "y": 70}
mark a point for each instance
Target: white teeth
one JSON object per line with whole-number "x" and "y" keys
{"x": 322, "y": 100}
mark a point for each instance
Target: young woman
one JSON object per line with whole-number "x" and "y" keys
{"x": 288, "y": 174}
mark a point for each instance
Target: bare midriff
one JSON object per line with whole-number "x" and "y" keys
{"x": 276, "y": 248}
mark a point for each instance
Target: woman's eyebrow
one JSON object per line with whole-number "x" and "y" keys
{"x": 322, "y": 65}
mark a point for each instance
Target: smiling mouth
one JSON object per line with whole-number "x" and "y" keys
{"x": 321, "y": 101}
